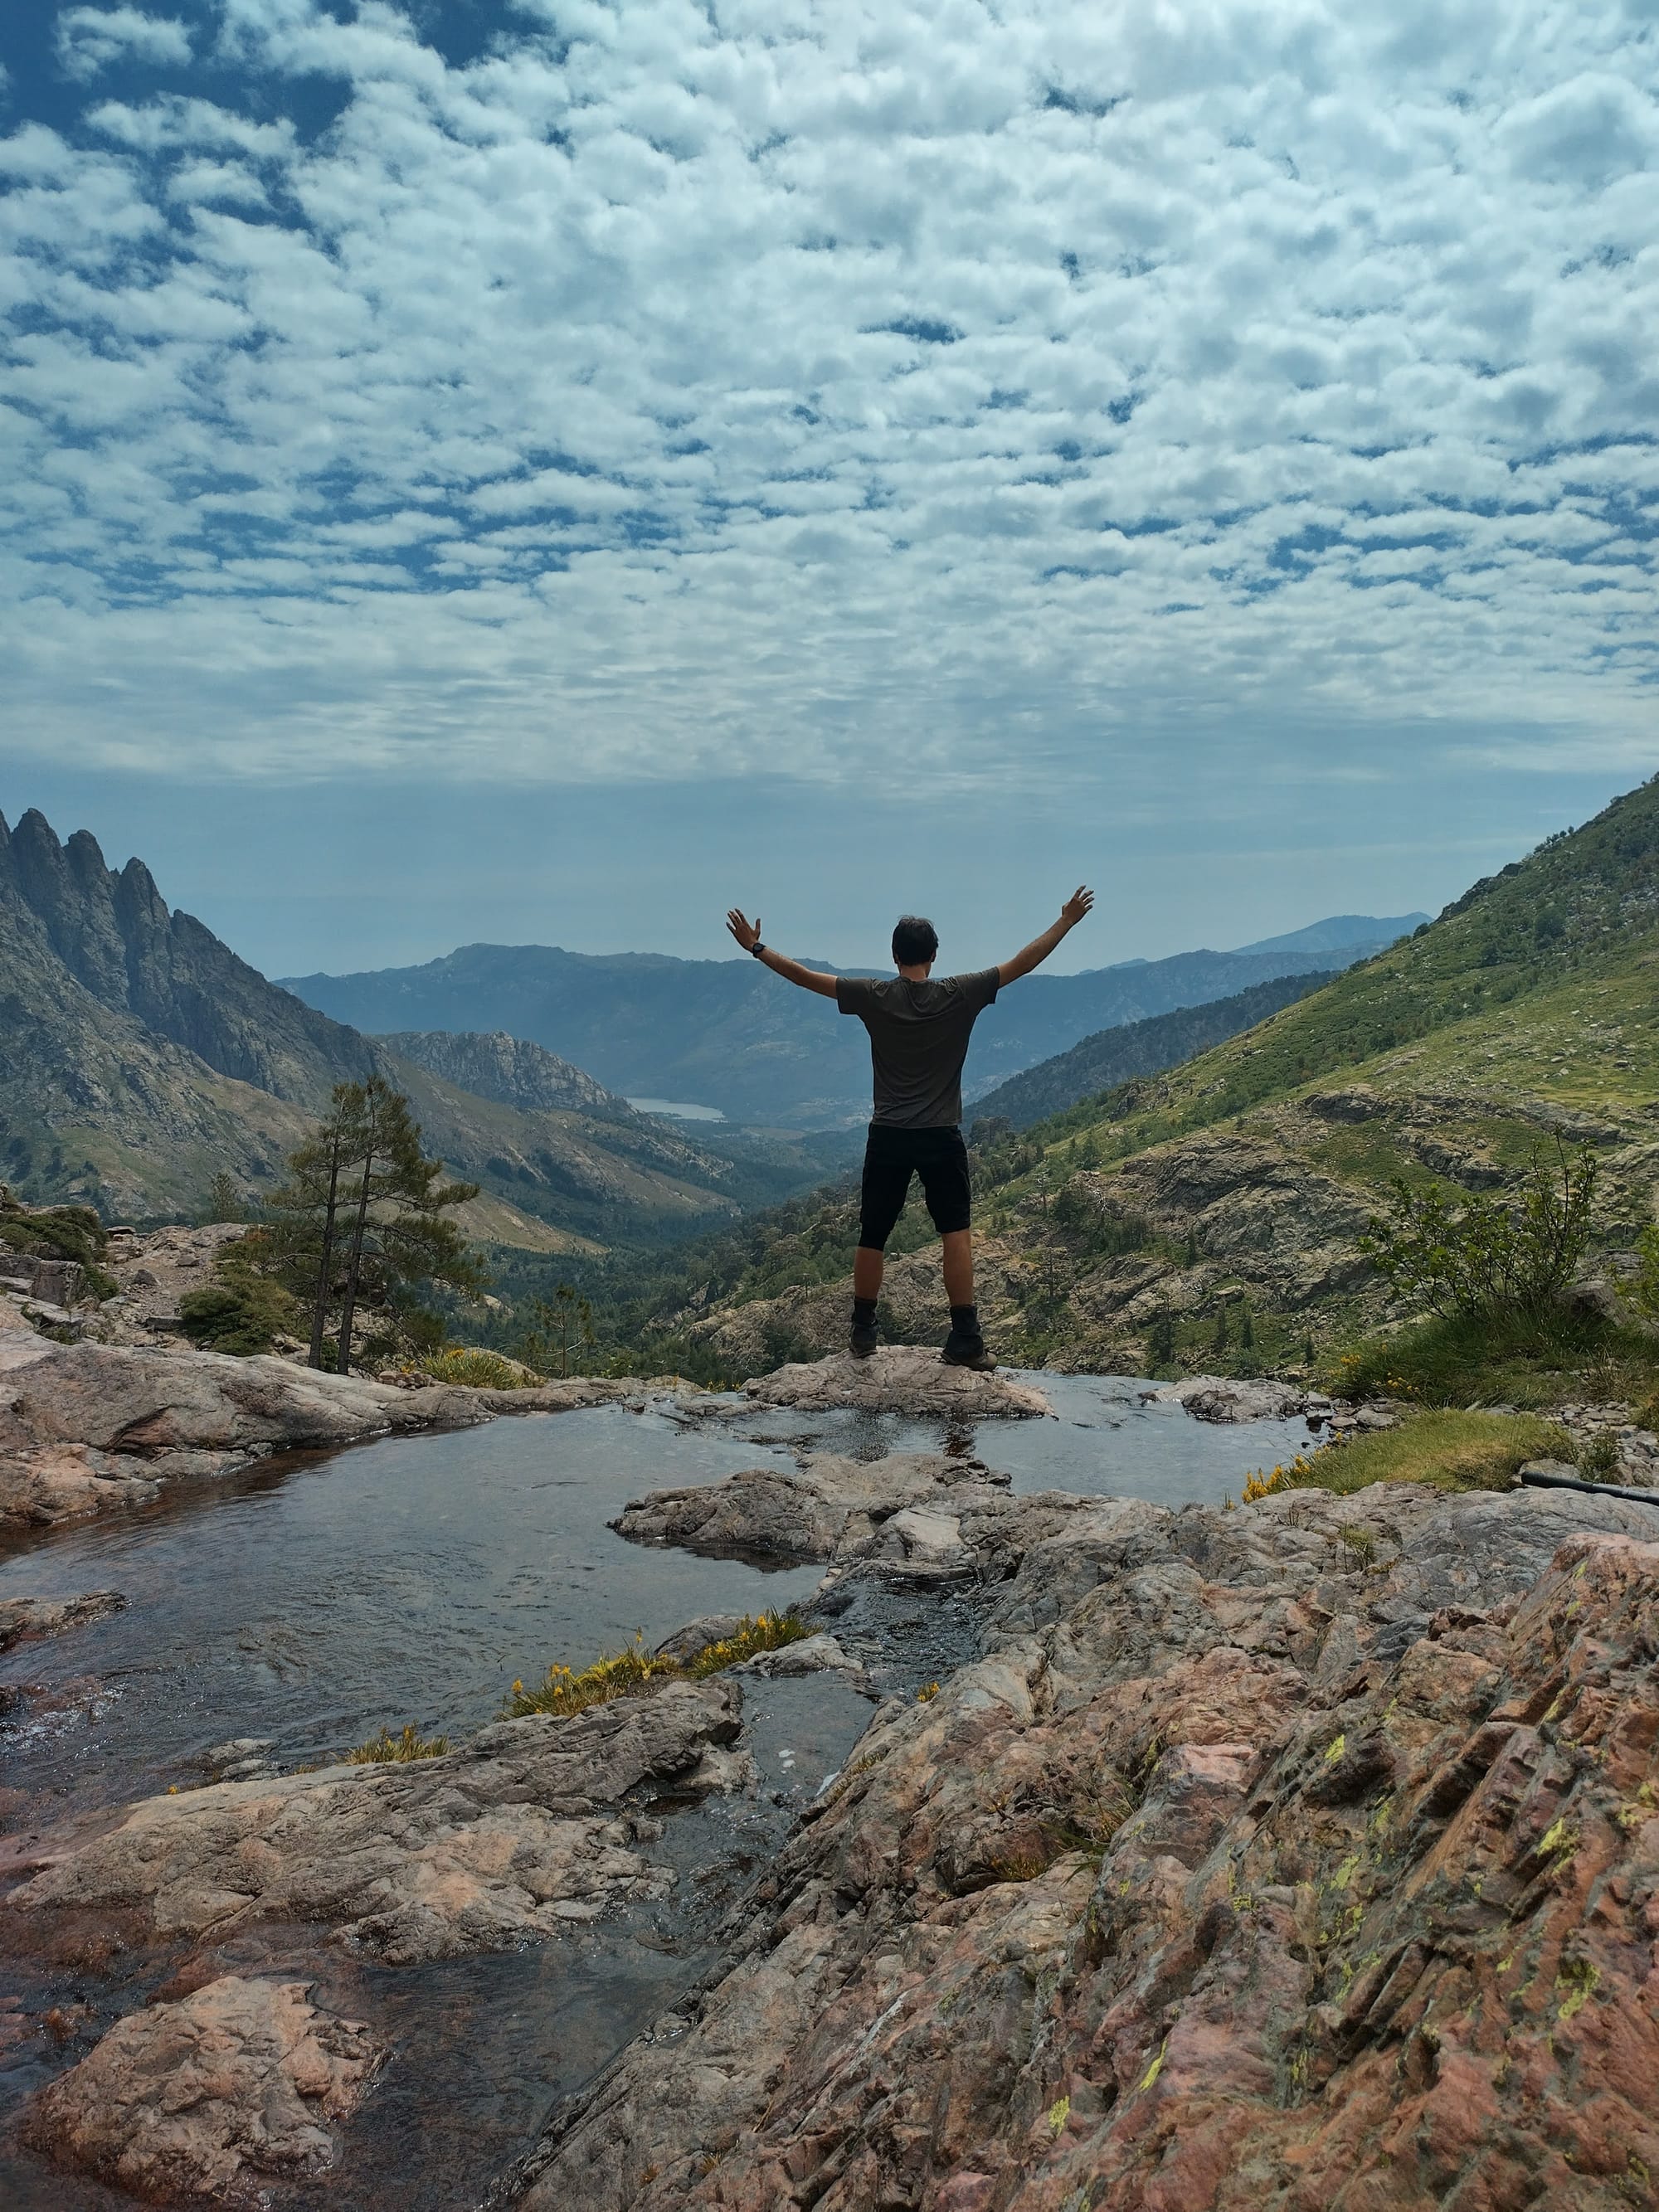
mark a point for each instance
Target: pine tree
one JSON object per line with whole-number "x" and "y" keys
{"x": 397, "y": 1234}
{"x": 224, "y": 1201}
{"x": 304, "y": 1214}
{"x": 360, "y": 1218}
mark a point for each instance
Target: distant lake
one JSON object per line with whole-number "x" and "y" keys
{"x": 677, "y": 1109}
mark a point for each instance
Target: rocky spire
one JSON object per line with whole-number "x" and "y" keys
{"x": 71, "y": 892}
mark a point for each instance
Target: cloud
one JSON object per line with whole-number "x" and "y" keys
{"x": 1065, "y": 386}
{"x": 90, "y": 40}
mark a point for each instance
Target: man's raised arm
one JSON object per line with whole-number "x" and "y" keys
{"x": 1038, "y": 949}
{"x": 748, "y": 935}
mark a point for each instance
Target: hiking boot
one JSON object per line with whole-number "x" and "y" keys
{"x": 863, "y": 1339}
{"x": 962, "y": 1351}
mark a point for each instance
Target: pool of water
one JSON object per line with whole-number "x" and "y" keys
{"x": 408, "y": 1580}
{"x": 309, "y": 1601}
{"x": 1101, "y": 1439}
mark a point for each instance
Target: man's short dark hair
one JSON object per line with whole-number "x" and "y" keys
{"x": 915, "y": 942}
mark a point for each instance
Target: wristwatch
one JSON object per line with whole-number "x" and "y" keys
{"x": 756, "y": 950}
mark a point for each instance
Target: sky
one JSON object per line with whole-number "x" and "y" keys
{"x": 548, "y": 471}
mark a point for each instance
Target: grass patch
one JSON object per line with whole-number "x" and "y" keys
{"x": 388, "y": 1750}
{"x": 1462, "y": 1362}
{"x": 481, "y": 1370}
{"x": 1445, "y": 1449}
{"x": 628, "y": 1672}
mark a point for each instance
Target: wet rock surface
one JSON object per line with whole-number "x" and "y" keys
{"x": 242, "y": 2080}
{"x": 1222, "y": 1398}
{"x": 826, "y": 1508}
{"x": 1301, "y": 1855}
{"x": 85, "y": 1426}
{"x": 897, "y": 1379}
{"x": 506, "y": 1839}
{"x": 25, "y": 1620}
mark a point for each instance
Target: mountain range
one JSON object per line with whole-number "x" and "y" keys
{"x": 1210, "y": 1213}
{"x": 143, "y": 1056}
{"x": 726, "y": 1034}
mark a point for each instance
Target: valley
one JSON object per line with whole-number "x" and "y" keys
{"x": 723, "y": 1033}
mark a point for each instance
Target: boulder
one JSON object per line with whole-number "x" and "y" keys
{"x": 22, "y": 1619}
{"x": 812, "y": 1654}
{"x": 696, "y": 1636}
{"x": 1223, "y": 1398}
{"x": 511, "y": 1837}
{"x": 239, "y": 2081}
{"x": 826, "y": 1508}
{"x": 899, "y": 1378}
{"x": 85, "y": 1426}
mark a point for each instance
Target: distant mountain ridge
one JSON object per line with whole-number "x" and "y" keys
{"x": 510, "y": 1071}
{"x": 141, "y": 1056}
{"x": 726, "y": 1034}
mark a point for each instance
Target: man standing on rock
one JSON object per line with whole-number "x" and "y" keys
{"x": 919, "y": 1032}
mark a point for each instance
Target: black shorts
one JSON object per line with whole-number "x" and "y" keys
{"x": 891, "y": 1158}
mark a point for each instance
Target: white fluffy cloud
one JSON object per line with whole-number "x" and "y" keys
{"x": 90, "y": 40}
{"x": 661, "y": 391}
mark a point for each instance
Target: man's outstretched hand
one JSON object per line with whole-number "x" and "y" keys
{"x": 748, "y": 935}
{"x": 1040, "y": 947}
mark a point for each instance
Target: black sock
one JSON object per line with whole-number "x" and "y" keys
{"x": 964, "y": 1321}
{"x": 864, "y": 1309}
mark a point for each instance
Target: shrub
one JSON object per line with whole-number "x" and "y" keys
{"x": 633, "y": 1670}
{"x": 1486, "y": 1259}
{"x": 239, "y": 1312}
{"x": 479, "y": 1369}
{"x": 388, "y": 1750}
{"x": 59, "y": 1232}
{"x": 1598, "y": 1457}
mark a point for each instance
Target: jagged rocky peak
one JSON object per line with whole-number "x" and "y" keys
{"x": 70, "y": 893}
{"x": 115, "y": 934}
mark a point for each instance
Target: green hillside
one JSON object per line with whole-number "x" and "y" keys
{"x": 1209, "y": 1216}
{"x": 1098, "y": 1063}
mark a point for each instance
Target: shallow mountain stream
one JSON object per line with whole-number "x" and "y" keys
{"x": 308, "y": 1602}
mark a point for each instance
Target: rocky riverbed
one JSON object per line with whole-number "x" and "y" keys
{"x": 1300, "y": 1856}
{"x": 1305, "y": 1853}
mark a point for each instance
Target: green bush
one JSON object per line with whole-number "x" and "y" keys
{"x": 59, "y": 1232}
{"x": 1480, "y": 1257}
{"x": 481, "y": 1370}
{"x": 239, "y": 1312}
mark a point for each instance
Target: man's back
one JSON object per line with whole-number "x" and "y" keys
{"x": 918, "y": 1034}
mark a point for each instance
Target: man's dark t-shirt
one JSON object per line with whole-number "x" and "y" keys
{"x": 918, "y": 1036}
